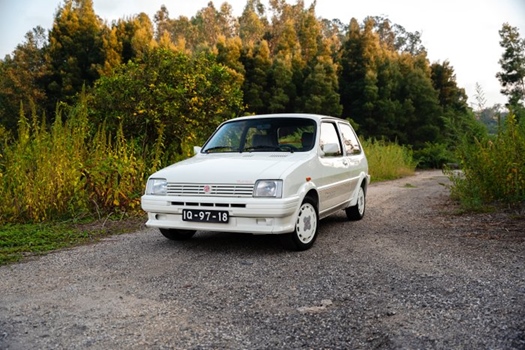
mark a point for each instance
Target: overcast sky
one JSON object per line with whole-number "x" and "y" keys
{"x": 464, "y": 32}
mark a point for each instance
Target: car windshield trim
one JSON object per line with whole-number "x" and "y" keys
{"x": 275, "y": 134}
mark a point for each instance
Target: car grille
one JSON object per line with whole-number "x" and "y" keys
{"x": 221, "y": 190}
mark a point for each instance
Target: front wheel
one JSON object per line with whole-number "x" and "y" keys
{"x": 357, "y": 211}
{"x": 305, "y": 232}
{"x": 177, "y": 235}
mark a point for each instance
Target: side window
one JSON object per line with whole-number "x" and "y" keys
{"x": 329, "y": 141}
{"x": 349, "y": 139}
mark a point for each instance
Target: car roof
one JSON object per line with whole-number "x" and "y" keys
{"x": 316, "y": 117}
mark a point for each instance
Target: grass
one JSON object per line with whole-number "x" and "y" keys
{"x": 388, "y": 161}
{"x": 19, "y": 241}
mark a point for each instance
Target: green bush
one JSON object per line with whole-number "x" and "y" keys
{"x": 388, "y": 161}
{"x": 492, "y": 169}
{"x": 434, "y": 156}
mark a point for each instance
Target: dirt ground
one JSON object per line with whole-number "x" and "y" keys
{"x": 413, "y": 274}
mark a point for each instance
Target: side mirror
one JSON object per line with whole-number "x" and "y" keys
{"x": 331, "y": 149}
{"x": 196, "y": 150}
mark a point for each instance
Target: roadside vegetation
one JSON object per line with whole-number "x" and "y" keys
{"x": 388, "y": 161}
{"x": 89, "y": 109}
{"x": 492, "y": 169}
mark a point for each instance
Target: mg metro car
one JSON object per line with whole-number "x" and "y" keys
{"x": 266, "y": 174}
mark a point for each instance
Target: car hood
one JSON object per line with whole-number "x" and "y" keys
{"x": 239, "y": 168}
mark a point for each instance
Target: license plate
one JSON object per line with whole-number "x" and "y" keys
{"x": 216, "y": 216}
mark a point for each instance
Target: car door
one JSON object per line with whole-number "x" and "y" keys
{"x": 353, "y": 154}
{"x": 334, "y": 186}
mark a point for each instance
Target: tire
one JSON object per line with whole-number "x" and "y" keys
{"x": 177, "y": 235}
{"x": 305, "y": 232}
{"x": 357, "y": 212}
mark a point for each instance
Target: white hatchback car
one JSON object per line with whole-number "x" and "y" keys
{"x": 265, "y": 174}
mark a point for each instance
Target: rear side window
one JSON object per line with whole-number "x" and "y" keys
{"x": 350, "y": 142}
{"x": 329, "y": 141}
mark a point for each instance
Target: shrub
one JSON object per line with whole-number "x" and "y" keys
{"x": 434, "y": 156}
{"x": 388, "y": 161}
{"x": 61, "y": 172}
{"x": 493, "y": 169}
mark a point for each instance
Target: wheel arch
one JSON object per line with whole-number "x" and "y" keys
{"x": 364, "y": 181}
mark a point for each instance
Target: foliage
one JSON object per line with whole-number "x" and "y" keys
{"x": 434, "y": 156}
{"x": 18, "y": 241}
{"x": 285, "y": 58}
{"x": 388, "y": 160}
{"x": 170, "y": 95}
{"x": 512, "y": 77}
{"x": 21, "y": 77}
{"x": 492, "y": 169}
{"x": 75, "y": 51}
{"x": 393, "y": 94}
{"x": 48, "y": 174}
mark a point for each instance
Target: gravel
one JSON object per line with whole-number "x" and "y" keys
{"x": 410, "y": 275}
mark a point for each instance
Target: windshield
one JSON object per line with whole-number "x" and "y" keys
{"x": 263, "y": 135}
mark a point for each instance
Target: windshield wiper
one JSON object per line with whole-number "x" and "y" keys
{"x": 261, "y": 148}
{"x": 280, "y": 148}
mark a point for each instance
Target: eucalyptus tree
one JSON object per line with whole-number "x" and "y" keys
{"x": 75, "y": 52}
{"x": 258, "y": 64}
{"x": 253, "y": 25}
{"x": 22, "y": 77}
{"x": 512, "y": 76}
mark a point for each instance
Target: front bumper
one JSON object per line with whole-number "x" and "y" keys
{"x": 246, "y": 215}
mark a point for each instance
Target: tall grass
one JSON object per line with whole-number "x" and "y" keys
{"x": 62, "y": 172}
{"x": 388, "y": 161}
{"x": 493, "y": 169}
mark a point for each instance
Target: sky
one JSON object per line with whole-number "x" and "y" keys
{"x": 463, "y": 32}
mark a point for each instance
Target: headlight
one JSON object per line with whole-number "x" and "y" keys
{"x": 268, "y": 188}
{"x": 157, "y": 187}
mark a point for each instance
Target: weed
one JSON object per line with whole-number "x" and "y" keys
{"x": 493, "y": 168}
{"x": 388, "y": 161}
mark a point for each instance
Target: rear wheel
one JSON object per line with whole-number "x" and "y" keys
{"x": 177, "y": 235}
{"x": 357, "y": 211}
{"x": 305, "y": 232}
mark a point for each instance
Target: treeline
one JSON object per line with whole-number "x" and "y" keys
{"x": 179, "y": 77}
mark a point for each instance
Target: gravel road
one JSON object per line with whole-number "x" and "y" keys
{"x": 410, "y": 275}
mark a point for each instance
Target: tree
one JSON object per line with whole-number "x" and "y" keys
{"x": 161, "y": 19}
{"x": 75, "y": 53}
{"x": 112, "y": 48}
{"x": 257, "y": 64}
{"x": 252, "y": 23}
{"x": 21, "y": 79}
{"x": 388, "y": 92}
{"x": 395, "y": 36}
{"x": 358, "y": 75}
{"x": 170, "y": 95}
{"x": 450, "y": 95}
{"x": 321, "y": 90}
{"x": 512, "y": 77}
